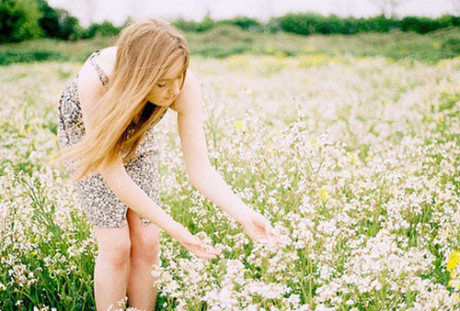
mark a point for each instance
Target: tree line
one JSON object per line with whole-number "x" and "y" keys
{"x": 27, "y": 19}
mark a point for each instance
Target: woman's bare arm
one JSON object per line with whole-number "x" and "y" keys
{"x": 133, "y": 196}
{"x": 199, "y": 169}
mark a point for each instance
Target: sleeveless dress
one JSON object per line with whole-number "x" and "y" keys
{"x": 101, "y": 206}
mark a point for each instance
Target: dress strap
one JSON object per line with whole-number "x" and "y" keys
{"x": 102, "y": 76}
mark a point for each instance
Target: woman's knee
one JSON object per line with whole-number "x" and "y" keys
{"x": 146, "y": 246}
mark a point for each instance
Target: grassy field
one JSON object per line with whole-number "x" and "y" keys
{"x": 353, "y": 158}
{"x": 225, "y": 41}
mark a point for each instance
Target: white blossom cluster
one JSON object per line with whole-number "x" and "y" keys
{"x": 355, "y": 162}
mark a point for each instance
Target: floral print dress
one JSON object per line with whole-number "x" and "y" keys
{"x": 101, "y": 206}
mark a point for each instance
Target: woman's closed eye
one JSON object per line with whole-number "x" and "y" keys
{"x": 161, "y": 85}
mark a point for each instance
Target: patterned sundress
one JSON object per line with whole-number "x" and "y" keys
{"x": 101, "y": 206}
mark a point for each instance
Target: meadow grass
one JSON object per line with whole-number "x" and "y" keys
{"x": 354, "y": 159}
{"x": 224, "y": 41}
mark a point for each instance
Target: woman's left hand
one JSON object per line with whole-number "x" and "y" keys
{"x": 257, "y": 227}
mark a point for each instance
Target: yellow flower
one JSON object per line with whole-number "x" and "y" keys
{"x": 239, "y": 125}
{"x": 324, "y": 193}
{"x": 368, "y": 158}
{"x": 33, "y": 253}
{"x": 269, "y": 49}
{"x": 352, "y": 158}
{"x": 440, "y": 119}
{"x": 280, "y": 54}
{"x": 53, "y": 157}
{"x": 453, "y": 261}
{"x": 229, "y": 92}
{"x": 313, "y": 143}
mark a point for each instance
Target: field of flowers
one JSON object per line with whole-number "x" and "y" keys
{"x": 354, "y": 160}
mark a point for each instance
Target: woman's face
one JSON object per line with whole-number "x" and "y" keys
{"x": 168, "y": 87}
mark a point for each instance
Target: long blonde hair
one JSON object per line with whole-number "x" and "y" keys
{"x": 145, "y": 51}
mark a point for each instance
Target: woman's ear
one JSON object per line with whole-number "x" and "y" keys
{"x": 184, "y": 75}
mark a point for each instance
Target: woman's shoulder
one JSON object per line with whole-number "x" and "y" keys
{"x": 89, "y": 80}
{"x": 102, "y": 61}
{"x": 89, "y": 85}
{"x": 106, "y": 59}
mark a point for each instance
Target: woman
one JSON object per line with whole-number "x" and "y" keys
{"x": 106, "y": 120}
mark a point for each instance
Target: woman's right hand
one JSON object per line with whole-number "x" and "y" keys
{"x": 194, "y": 244}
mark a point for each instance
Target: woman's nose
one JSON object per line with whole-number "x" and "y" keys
{"x": 174, "y": 89}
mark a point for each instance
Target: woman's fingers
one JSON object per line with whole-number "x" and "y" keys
{"x": 205, "y": 255}
{"x": 271, "y": 234}
{"x": 213, "y": 251}
{"x": 269, "y": 231}
{"x": 204, "y": 250}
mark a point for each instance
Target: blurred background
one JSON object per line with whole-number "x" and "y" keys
{"x": 91, "y": 11}
{"x": 66, "y": 30}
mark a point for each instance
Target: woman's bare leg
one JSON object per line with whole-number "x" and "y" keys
{"x": 112, "y": 264}
{"x": 144, "y": 253}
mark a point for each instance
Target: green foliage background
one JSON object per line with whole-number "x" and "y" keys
{"x": 27, "y": 19}
{"x": 19, "y": 20}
